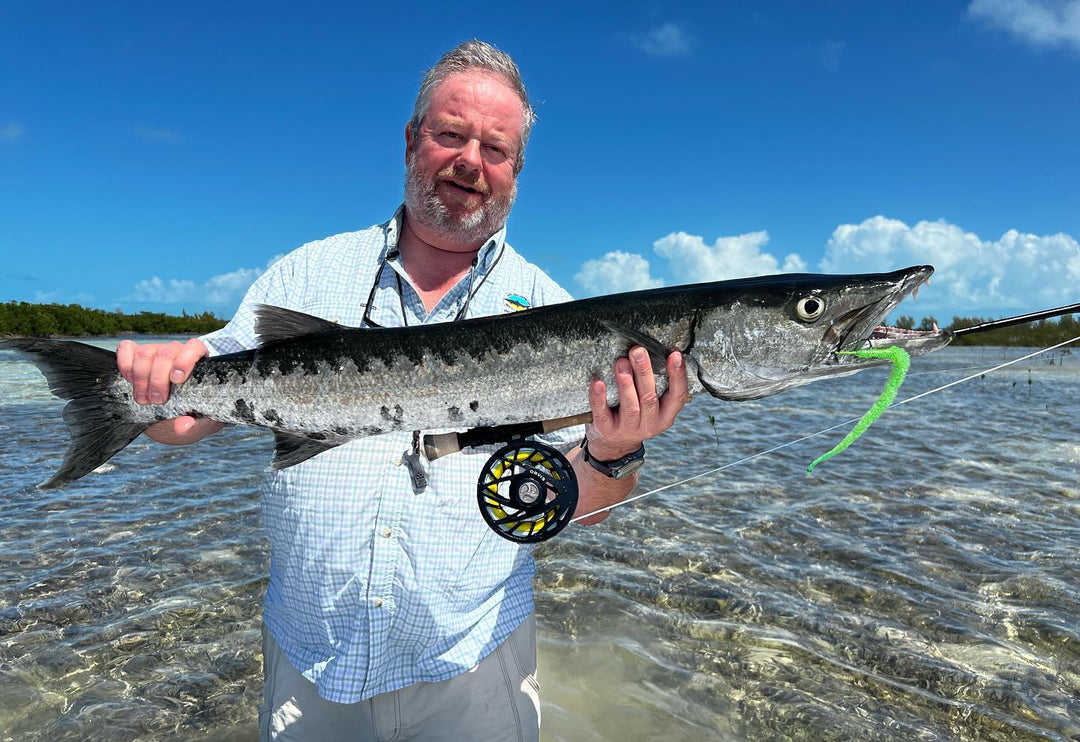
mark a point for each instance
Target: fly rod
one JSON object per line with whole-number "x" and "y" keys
{"x": 1019, "y": 319}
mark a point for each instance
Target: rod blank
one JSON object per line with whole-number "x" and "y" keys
{"x": 1018, "y": 320}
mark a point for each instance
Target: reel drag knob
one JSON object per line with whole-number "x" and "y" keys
{"x": 527, "y": 492}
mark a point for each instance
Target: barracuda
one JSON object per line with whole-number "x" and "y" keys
{"x": 317, "y": 385}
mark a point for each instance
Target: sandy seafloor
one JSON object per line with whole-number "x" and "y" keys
{"x": 924, "y": 585}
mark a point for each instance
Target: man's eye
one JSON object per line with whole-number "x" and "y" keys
{"x": 450, "y": 135}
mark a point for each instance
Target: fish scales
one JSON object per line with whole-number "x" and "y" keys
{"x": 402, "y": 382}
{"x": 316, "y": 384}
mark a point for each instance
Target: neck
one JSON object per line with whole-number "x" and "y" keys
{"x": 433, "y": 265}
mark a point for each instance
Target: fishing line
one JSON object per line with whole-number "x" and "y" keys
{"x": 846, "y": 423}
{"x": 955, "y": 369}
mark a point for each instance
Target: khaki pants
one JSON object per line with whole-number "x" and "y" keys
{"x": 497, "y": 700}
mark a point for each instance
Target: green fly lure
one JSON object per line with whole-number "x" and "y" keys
{"x": 901, "y": 361}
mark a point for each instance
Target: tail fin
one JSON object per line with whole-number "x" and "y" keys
{"x": 99, "y": 425}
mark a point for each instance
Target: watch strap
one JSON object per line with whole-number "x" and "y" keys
{"x": 618, "y": 468}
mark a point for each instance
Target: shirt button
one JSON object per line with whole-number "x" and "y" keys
{"x": 378, "y": 602}
{"x": 386, "y": 532}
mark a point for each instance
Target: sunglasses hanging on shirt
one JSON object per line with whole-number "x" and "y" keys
{"x": 410, "y": 458}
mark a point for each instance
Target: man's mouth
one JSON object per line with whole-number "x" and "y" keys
{"x": 462, "y": 187}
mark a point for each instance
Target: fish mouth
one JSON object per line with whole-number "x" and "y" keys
{"x": 863, "y": 328}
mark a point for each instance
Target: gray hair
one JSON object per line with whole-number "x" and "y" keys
{"x": 470, "y": 56}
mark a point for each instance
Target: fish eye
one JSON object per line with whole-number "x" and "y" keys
{"x": 809, "y": 308}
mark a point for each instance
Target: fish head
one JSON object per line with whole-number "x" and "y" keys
{"x": 776, "y": 332}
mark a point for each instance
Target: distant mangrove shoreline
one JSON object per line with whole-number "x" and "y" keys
{"x": 73, "y": 320}
{"x": 1039, "y": 334}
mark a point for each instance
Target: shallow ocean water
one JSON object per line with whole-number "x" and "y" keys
{"x": 922, "y": 585}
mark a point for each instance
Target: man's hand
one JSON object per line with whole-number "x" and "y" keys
{"x": 642, "y": 413}
{"x": 151, "y": 369}
{"x": 614, "y": 433}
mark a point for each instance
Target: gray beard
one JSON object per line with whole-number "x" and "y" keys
{"x": 425, "y": 206}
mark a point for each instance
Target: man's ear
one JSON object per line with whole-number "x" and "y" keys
{"x": 408, "y": 138}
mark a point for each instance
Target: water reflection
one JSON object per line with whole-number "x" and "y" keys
{"x": 921, "y": 585}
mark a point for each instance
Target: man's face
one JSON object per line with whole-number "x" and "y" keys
{"x": 460, "y": 180}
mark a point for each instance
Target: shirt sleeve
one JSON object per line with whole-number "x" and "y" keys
{"x": 278, "y": 286}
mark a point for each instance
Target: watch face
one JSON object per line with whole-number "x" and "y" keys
{"x": 628, "y": 468}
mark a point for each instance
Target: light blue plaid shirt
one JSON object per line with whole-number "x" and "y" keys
{"x": 372, "y": 587}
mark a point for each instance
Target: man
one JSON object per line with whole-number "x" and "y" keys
{"x": 392, "y": 610}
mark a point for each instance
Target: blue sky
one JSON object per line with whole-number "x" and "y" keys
{"x": 158, "y": 156}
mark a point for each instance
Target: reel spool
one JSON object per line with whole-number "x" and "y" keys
{"x": 527, "y": 492}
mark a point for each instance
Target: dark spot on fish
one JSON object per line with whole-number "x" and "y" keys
{"x": 455, "y": 414}
{"x": 244, "y": 411}
{"x": 371, "y": 430}
{"x": 317, "y": 436}
{"x": 396, "y": 417}
{"x": 474, "y": 405}
{"x": 340, "y": 430}
{"x": 272, "y": 416}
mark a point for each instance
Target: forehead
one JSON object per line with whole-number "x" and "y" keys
{"x": 477, "y": 97}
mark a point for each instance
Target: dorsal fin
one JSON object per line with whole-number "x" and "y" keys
{"x": 277, "y": 323}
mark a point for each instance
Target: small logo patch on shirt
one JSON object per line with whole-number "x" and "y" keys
{"x": 515, "y": 303}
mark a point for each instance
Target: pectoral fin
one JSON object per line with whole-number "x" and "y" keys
{"x": 290, "y": 449}
{"x": 658, "y": 353}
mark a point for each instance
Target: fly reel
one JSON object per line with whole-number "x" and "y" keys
{"x": 527, "y": 491}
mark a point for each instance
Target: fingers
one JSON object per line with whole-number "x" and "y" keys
{"x": 645, "y": 383}
{"x": 140, "y": 371}
{"x": 675, "y": 398}
{"x": 602, "y": 417}
{"x": 161, "y": 367}
{"x": 125, "y": 358}
{"x": 152, "y": 368}
{"x": 642, "y": 413}
{"x": 629, "y": 412}
{"x": 185, "y": 361}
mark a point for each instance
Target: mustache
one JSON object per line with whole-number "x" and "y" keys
{"x": 462, "y": 176}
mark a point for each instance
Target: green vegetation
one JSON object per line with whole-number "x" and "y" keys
{"x": 72, "y": 320}
{"x": 1040, "y": 334}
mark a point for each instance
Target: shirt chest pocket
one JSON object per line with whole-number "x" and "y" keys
{"x": 345, "y": 311}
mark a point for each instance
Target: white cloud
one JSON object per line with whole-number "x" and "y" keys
{"x": 614, "y": 273}
{"x": 157, "y": 134}
{"x": 1039, "y": 22}
{"x": 60, "y": 297}
{"x": 690, "y": 260}
{"x": 972, "y": 275}
{"x": 666, "y": 40}
{"x": 11, "y": 131}
{"x": 693, "y": 261}
{"x": 224, "y": 290}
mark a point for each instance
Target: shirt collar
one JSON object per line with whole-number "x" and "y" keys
{"x": 485, "y": 258}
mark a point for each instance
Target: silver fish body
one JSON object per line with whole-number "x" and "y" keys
{"x": 318, "y": 385}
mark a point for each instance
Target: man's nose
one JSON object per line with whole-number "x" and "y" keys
{"x": 469, "y": 156}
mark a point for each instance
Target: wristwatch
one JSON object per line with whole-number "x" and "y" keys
{"x": 619, "y": 468}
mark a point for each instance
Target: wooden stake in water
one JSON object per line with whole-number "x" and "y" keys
{"x": 901, "y": 361}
